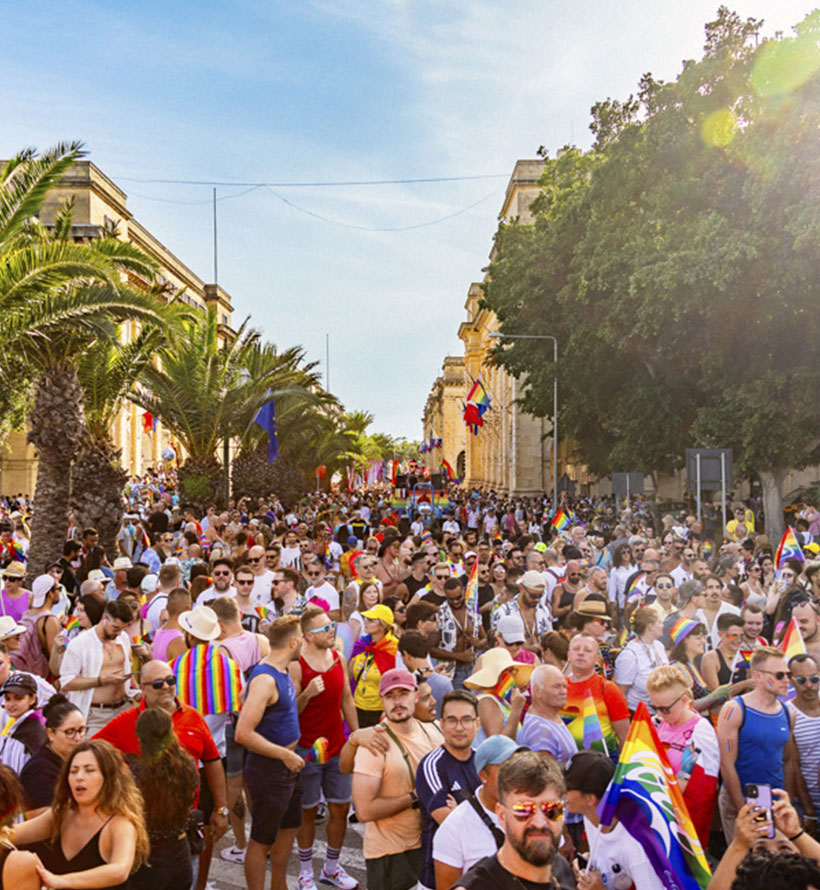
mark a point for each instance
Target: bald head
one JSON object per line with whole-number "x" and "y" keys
{"x": 154, "y": 670}
{"x": 164, "y": 697}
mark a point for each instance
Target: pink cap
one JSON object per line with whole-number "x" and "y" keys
{"x": 397, "y": 679}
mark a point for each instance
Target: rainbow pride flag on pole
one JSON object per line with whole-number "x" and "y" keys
{"x": 789, "y": 548}
{"x": 592, "y": 725}
{"x": 208, "y": 680}
{"x": 560, "y": 521}
{"x": 791, "y": 643}
{"x": 471, "y": 593}
{"x": 645, "y": 796}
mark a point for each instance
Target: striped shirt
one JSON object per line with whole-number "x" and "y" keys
{"x": 807, "y": 739}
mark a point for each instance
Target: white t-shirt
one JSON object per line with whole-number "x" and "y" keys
{"x": 679, "y": 575}
{"x": 633, "y": 667}
{"x": 621, "y": 859}
{"x": 463, "y": 839}
{"x": 713, "y": 637}
{"x": 261, "y": 590}
{"x": 325, "y": 591}
{"x": 211, "y": 593}
{"x": 290, "y": 557}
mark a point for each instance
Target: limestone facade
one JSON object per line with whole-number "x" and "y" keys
{"x": 100, "y": 205}
{"x": 513, "y": 450}
{"x": 442, "y": 417}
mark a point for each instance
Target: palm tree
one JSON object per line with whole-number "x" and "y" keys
{"x": 57, "y": 299}
{"x": 202, "y": 391}
{"x": 107, "y": 373}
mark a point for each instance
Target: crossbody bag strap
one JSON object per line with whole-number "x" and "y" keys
{"x": 404, "y": 754}
{"x": 496, "y": 832}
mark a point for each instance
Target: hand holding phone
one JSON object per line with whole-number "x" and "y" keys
{"x": 760, "y": 797}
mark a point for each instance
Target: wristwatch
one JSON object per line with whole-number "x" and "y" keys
{"x": 222, "y": 811}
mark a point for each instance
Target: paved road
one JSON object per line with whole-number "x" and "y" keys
{"x": 229, "y": 876}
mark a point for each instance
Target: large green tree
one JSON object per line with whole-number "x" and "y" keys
{"x": 676, "y": 264}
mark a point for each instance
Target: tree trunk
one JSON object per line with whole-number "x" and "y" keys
{"x": 56, "y": 432}
{"x": 772, "y": 483}
{"x": 253, "y": 477}
{"x": 201, "y": 483}
{"x": 97, "y": 483}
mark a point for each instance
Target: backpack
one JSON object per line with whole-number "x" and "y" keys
{"x": 30, "y": 656}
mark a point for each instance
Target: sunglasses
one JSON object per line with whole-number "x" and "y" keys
{"x": 241, "y": 582}
{"x": 313, "y": 574}
{"x": 525, "y": 809}
{"x": 814, "y": 679}
{"x": 260, "y": 558}
{"x": 221, "y": 574}
{"x": 667, "y": 709}
{"x": 778, "y": 675}
{"x": 169, "y": 681}
{"x": 324, "y": 629}
{"x": 663, "y": 587}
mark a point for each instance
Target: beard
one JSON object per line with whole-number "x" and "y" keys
{"x": 535, "y": 846}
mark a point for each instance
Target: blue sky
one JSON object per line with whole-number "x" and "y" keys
{"x": 252, "y": 91}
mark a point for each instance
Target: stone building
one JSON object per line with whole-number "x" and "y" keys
{"x": 100, "y": 205}
{"x": 513, "y": 450}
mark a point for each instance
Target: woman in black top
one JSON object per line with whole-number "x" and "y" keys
{"x": 65, "y": 728}
{"x": 95, "y": 826}
{"x": 168, "y": 779}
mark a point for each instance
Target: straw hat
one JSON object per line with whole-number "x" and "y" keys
{"x": 14, "y": 570}
{"x": 493, "y": 664}
{"x": 200, "y": 622}
{"x": 590, "y": 608}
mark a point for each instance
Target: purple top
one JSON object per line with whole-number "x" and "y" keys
{"x": 14, "y": 606}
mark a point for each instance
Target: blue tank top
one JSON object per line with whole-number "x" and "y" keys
{"x": 280, "y": 722}
{"x": 760, "y": 744}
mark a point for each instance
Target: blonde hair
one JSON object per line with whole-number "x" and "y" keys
{"x": 666, "y": 677}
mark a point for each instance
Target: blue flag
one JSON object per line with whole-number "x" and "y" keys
{"x": 266, "y": 418}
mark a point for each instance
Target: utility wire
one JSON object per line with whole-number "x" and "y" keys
{"x": 325, "y": 184}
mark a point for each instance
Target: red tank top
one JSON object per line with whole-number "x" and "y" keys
{"x": 323, "y": 714}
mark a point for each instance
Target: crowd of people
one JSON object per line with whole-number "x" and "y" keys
{"x": 435, "y": 671}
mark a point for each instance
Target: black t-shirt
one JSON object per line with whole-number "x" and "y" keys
{"x": 39, "y": 778}
{"x": 413, "y": 585}
{"x": 489, "y": 874}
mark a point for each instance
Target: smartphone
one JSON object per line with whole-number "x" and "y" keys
{"x": 761, "y": 797}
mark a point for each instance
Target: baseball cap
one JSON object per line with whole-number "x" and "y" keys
{"x": 511, "y": 628}
{"x": 540, "y": 547}
{"x": 20, "y": 683}
{"x": 398, "y": 678}
{"x": 589, "y": 772}
{"x": 40, "y": 589}
{"x": 149, "y": 583}
{"x": 533, "y": 580}
{"x": 380, "y": 612}
{"x": 495, "y": 750}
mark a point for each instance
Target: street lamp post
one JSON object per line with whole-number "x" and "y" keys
{"x": 497, "y": 335}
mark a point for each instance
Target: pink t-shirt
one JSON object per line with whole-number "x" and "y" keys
{"x": 525, "y": 656}
{"x": 676, "y": 739}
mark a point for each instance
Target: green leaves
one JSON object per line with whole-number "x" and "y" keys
{"x": 676, "y": 264}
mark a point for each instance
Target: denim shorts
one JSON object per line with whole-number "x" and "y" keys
{"x": 325, "y": 777}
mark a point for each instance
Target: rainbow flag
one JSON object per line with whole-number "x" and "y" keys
{"x": 789, "y": 548}
{"x": 265, "y": 612}
{"x": 478, "y": 395}
{"x": 9, "y": 726}
{"x": 447, "y": 469}
{"x": 631, "y": 590}
{"x": 645, "y": 796}
{"x": 426, "y": 538}
{"x": 560, "y": 521}
{"x": 72, "y": 622}
{"x": 791, "y": 643}
{"x": 19, "y": 554}
{"x": 318, "y": 751}
{"x": 504, "y": 687}
{"x": 592, "y": 725}
{"x": 622, "y": 638}
{"x": 208, "y": 680}
{"x": 471, "y": 593}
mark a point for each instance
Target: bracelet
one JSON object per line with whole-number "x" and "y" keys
{"x": 797, "y": 835}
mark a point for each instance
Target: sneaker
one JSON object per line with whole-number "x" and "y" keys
{"x": 306, "y": 882}
{"x": 321, "y": 812}
{"x": 340, "y": 878}
{"x": 233, "y": 854}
